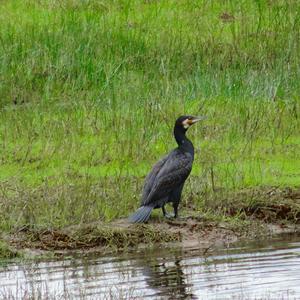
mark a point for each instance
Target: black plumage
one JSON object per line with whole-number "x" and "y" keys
{"x": 166, "y": 180}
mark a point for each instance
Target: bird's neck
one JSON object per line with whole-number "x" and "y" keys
{"x": 183, "y": 142}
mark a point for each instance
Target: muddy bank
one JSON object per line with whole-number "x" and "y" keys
{"x": 121, "y": 236}
{"x": 247, "y": 214}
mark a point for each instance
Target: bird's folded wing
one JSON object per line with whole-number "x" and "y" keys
{"x": 174, "y": 172}
{"x": 150, "y": 179}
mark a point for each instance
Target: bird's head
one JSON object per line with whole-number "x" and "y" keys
{"x": 186, "y": 121}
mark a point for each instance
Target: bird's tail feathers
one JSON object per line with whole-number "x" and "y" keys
{"x": 141, "y": 215}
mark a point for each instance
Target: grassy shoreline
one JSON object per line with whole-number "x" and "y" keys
{"x": 89, "y": 92}
{"x": 245, "y": 215}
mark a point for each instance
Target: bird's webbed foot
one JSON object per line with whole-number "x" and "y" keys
{"x": 167, "y": 215}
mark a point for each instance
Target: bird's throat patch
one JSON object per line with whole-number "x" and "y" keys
{"x": 186, "y": 123}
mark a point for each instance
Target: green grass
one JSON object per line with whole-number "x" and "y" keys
{"x": 6, "y": 252}
{"x": 89, "y": 91}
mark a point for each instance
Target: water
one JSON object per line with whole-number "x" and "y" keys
{"x": 256, "y": 270}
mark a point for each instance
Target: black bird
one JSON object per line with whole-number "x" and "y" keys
{"x": 165, "y": 181}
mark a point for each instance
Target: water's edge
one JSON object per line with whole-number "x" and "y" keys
{"x": 271, "y": 266}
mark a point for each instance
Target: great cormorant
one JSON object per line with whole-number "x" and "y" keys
{"x": 165, "y": 181}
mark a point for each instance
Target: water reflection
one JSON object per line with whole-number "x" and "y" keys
{"x": 167, "y": 277}
{"x": 268, "y": 270}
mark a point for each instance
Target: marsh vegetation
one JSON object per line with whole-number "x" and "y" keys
{"x": 90, "y": 91}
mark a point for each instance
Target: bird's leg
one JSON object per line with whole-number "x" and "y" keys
{"x": 175, "y": 211}
{"x": 175, "y": 206}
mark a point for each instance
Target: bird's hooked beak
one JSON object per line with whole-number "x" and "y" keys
{"x": 191, "y": 120}
{"x": 194, "y": 120}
